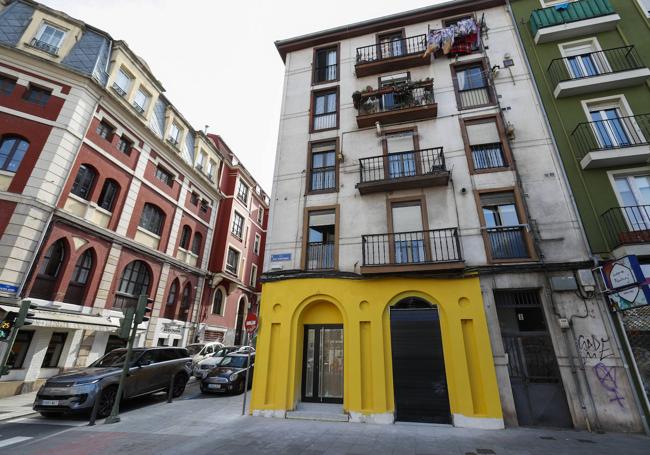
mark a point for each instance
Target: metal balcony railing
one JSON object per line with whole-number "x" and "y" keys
{"x": 320, "y": 256}
{"x": 574, "y": 11}
{"x": 396, "y": 97}
{"x": 403, "y": 164}
{"x": 594, "y": 64}
{"x": 42, "y": 45}
{"x": 400, "y": 47}
{"x": 617, "y": 132}
{"x": 508, "y": 242}
{"x": 417, "y": 247}
{"x": 625, "y": 225}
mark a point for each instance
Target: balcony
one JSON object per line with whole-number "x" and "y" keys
{"x": 584, "y": 17}
{"x": 44, "y": 46}
{"x": 597, "y": 71}
{"x": 396, "y": 103}
{"x": 391, "y": 56}
{"x": 508, "y": 243}
{"x": 618, "y": 141}
{"x": 320, "y": 256}
{"x": 397, "y": 171}
{"x": 437, "y": 249}
{"x": 627, "y": 227}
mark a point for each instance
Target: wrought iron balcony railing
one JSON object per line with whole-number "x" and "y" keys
{"x": 42, "y": 45}
{"x": 412, "y": 248}
{"x": 626, "y": 225}
{"x": 508, "y": 242}
{"x": 617, "y": 132}
{"x": 594, "y": 64}
{"x": 396, "y": 97}
{"x": 401, "y": 165}
{"x": 573, "y": 12}
{"x": 320, "y": 256}
{"x": 396, "y": 48}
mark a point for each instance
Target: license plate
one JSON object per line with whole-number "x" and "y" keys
{"x": 214, "y": 386}
{"x": 50, "y": 402}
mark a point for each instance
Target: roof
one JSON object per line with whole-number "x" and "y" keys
{"x": 427, "y": 13}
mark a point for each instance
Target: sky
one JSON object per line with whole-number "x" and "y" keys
{"x": 217, "y": 60}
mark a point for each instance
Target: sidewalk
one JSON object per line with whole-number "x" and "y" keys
{"x": 16, "y": 406}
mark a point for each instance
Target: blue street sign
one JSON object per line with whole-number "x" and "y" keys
{"x": 281, "y": 257}
{"x": 8, "y": 288}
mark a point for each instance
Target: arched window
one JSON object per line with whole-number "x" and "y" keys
{"x": 185, "y": 237}
{"x": 135, "y": 279}
{"x": 48, "y": 271}
{"x": 196, "y": 243}
{"x": 186, "y": 301}
{"x": 152, "y": 219}
{"x": 170, "y": 306}
{"x": 83, "y": 182}
{"x": 108, "y": 195}
{"x": 217, "y": 305}
{"x": 12, "y": 151}
{"x": 77, "y": 287}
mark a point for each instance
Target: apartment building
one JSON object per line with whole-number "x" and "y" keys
{"x": 106, "y": 192}
{"x": 590, "y": 61}
{"x": 425, "y": 261}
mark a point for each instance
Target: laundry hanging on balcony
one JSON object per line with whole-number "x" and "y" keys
{"x": 460, "y": 38}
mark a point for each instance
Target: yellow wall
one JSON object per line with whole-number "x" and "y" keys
{"x": 362, "y": 307}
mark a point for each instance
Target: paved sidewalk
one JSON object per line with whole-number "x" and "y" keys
{"x": 16, "y": 406}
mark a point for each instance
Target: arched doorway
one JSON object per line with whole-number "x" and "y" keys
{"x": 419, "y": 380}
{"x": 239, "y": 325}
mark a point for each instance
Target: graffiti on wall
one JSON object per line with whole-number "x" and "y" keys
{"x": 606, "y": 375}
{"x": 594, "y": 347}
{"x": 594, "y": 351}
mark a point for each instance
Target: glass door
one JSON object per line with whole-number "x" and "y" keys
{"x": 408, "y": 233}
{"x": 401, "y": 157}
{"x": 609, "y": 128}
{"x": 634, "y": 193}
{"x": 323, "y": 364}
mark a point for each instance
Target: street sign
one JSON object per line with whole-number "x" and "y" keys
{"x": 280, "y": 257}
{"x": 10, "y": 288}
{"x": 251, "y": 322}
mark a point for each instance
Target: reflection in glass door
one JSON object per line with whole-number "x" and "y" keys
{"x": 323, "y": 364}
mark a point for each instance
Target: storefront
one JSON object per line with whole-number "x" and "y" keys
{"x": 354, "y": 342}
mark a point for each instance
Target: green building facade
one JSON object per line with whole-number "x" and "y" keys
{"x": 590, "y": 62}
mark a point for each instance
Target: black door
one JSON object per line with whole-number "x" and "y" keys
{"x": 322, "y": 360}
{"x": 540, "y": 399}
{"x": 419, "y": 379}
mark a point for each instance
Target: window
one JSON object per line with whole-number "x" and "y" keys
{"x": 237, "y": 225}
{"x": 77, "y": 285}
{"x": 19, "y": 349}
{"x": 7, "y": 85}
{"x": 260, "y": 215}
{"x": 232, "y": 261}
{"x": 484, "y": 144}
{"x": 321, "y": 239}
{"x": 49, "y": 39}
{"x": 122, "y": 82}
{"x": 185, "y": 237}
{"x": 174, "y": 134}
{"x": 634, "y": 194}
{"x": 610, "y": 126}
{"x": 582, "y": 59}
{"x": 170, "y": 304}
{"x": 504, "y": 232}
{"x": 472, "y": 87}
{"x": 253, "y": 278}
{"x": 324, "y": 110}
{"x": 392, "y": 45}
{"x": 48, "y": 272}
{"x": 141, "y": 100}
{"x": 152, "y": 219}
{"x": 204, "y": 206}
{"x": 108, "y": 195}
{"x": 37, "y": 95}
{"x": 325, "y": 65}
{"x": 322, "y": 172}
{"x": 135, "y": 279}
{"x": 54, "y": 350}
{"x": 194, "y": 199}
{"x": 645, "y": 6}
{"x": 105, "y": 130}
{"x": 186, "y": 302}
{"x": 200, "y": 160}
{"x": 256, "y": 245}
{"x": 196, "y": 243}
{"x": 217, "y": 305}
{"x": 242, "y": 192}
{"x": 211, "y": 166}
{"x": 408, "y": 232}
{"x": 12, "y": 151}
{"x": 164, "y": 176}
{"x": 125, "y": 145}
{"x": 83, "y": 183}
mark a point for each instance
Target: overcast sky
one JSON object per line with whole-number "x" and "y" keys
{"x": 217, "y": 60}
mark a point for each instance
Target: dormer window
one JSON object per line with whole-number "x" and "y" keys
{"x": 48, "y": 39}
{"x": 210, "y": 172}
{"x": 122, "y": 82}
{"x": 141, "y": 100}
{"x": 200, "y": 160}
{"x": 174, "y": 134}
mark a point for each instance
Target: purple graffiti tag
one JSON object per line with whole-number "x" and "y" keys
{"x": 607, "y": 378}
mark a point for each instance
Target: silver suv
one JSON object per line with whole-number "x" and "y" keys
{"x": 150, "y": 371}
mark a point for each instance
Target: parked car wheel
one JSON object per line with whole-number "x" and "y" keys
{"x": 106, "y": 400}
{"x": 179, "y": 385}
{"x": 240, "y": 388}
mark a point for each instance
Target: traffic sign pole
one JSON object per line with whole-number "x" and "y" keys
{"x": 248, "y": 366}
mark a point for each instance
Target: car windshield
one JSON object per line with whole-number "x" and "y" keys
{"x": 194, "y": 348}
{"x": 114, "y": 359}
{"x": 232, "y": 361}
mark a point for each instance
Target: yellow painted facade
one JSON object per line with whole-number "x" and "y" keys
{"x": 362, "y": 306}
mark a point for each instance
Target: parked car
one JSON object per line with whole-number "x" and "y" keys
{"x": 206, "y": 351}
{"x": 194, "y": 348}
{"x": 151, "y": 370}
{"x": 202, "y": 368}
{"x": 229, "y": 375}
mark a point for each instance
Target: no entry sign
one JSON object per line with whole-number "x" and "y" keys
{"x": 251, "y": 322}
